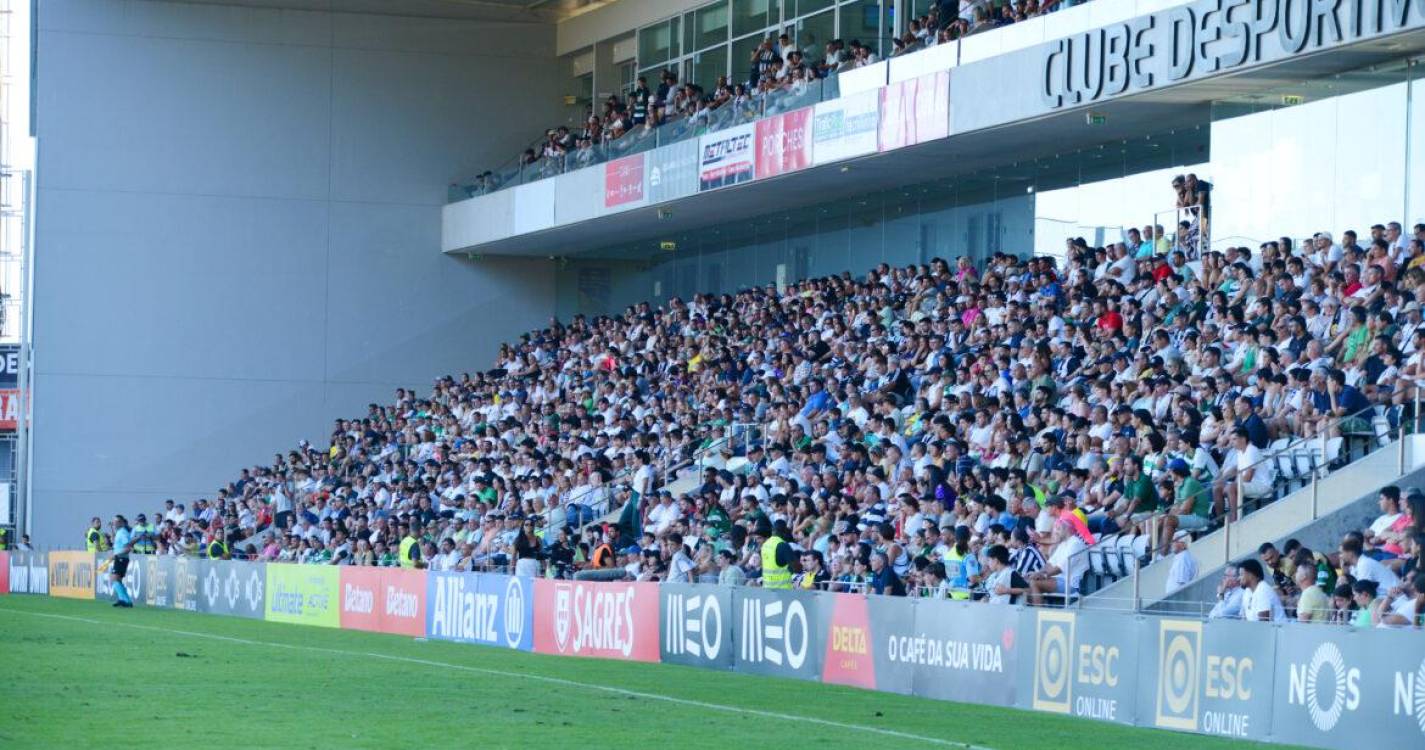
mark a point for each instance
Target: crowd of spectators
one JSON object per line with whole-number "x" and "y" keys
{"x": 947, "y": 428}
{"x": 778, "y": 66}
{"x": 1372, "y": 579}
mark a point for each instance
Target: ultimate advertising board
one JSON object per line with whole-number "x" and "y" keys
{"x": 846, "y": 127}
{"x": 915, "y": 110}
{"x": 784, "y": 143}
{"x": 303, "y": 594}
{"x": 672, "y": 171}
{"x": 727, "y": 157}
{"x": 588, "y": 618}
{"x": 623, "y": 182}
{"x": 489, "y": 609}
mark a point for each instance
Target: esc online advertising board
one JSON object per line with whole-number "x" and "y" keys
{"x": 1298, "y": 684}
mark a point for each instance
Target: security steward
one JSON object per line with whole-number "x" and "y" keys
{"x": 777, "y": 555}
{"x": 218, "y": 548}
{"x": 410, "y": 550}
{"x": 94, "y": 537}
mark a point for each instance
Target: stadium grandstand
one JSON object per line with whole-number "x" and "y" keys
{"x": 1055, "y": 356}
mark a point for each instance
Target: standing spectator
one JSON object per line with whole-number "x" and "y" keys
{"x": 1184, "y": 570}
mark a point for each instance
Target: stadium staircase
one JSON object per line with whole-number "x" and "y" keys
{"x": 1316, "y": 503}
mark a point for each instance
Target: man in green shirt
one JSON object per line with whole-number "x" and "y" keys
{"x": 1192, "y": 505}
{"x": 1139, "y": 498}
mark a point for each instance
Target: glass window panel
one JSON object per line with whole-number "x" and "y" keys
{"x": 804, "y": 7}
{"x": 813, "y": 33}
{"x": 862, "y": 20}
{"x": 653, "y": 45}
{"x": 711, "y": 26}
{"x": 689, "y": 24}
{"x": 1415, "y": 171}
{"x": 754, "y": 15}
{"x": 708, "y": 65}
{"x": 742, "y": 50}
{"x": 674, "y": 39}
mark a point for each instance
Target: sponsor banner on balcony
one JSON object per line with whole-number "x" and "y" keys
{"x": 727, "y": 157}
{"x": 237, "y": 588}
{"x": 29, "y": 572}
{"x": 71, "y": 574}
{"x": 1336, "y": 687}
{"x": 489, "y": 609}
{"x": 672, "y": 171}
{"x": 303, "y": 594}
{"x": 784, "y": 143}
{"x": 780, "y": 633}
{"x": 696, "y": 625}
{"x": 1079, "y": 664}
{"x": 586, "y": 618}
{"x": 1213, "y": 677}
{"x": 962, "y": 651}
{"x": 846, "y": 127}
{"x": 915, "y": 110}
{"x": 623, "y": 182}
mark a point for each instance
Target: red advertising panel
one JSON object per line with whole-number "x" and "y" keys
{"x": 623, "y": 181}
{"x": 403, "y": 601}
{"x": 848, "y": 646}
{"x": 360, "y": 598}
{"x": 586, "y": 618}
{"x": 915, "y": 111}
{"x": 383, "y": 600}
{"x": 10, "y": 402}
{"x": 4, "y": 572}
{"x": 784, "y": 143}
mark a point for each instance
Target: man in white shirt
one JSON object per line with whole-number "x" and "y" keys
{"x": 1262, "y": 602}
{"x": 1257, "y": 476}
{"x": 662, "y": 515}
{"x": 1064, "y": 562}
{"x": 1230, "y": 596}
{"x": 1184, "y": 570}
{"x": 1366, "y": 568}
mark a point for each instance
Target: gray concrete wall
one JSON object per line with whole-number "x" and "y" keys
{"x": 238, "y": 232}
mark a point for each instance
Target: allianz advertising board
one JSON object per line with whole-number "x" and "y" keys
{"x": 489, "y": 609}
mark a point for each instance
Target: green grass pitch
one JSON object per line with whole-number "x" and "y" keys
{"x": 80, "y": 674}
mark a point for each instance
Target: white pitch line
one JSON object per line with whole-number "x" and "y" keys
{"x": 523, "y": 676}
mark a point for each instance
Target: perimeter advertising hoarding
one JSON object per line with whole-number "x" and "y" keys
{"x": 1347, "y": 688}
{"x": 71, "y": 575}
{"x": 623, "y": 182}
{"x": 963, "y": 651}
{"x": 158, "y": 581}
{"x": 489, "y": 609}
{"x": 589, "y": 618}
{"x": 696, "y": 625}
{"x": 1212, "y": 678}
{"x": 727, "y": 157}
{"x": 672, "y": 171}
{"x": 4, "y": 572}
{"x": 29, "y": 572}
{"x": 784, "y": 143}
{"x": 779, "y": 633}
{"x": 915, "y": 110}
{"x": 303, "y": 594}
{"x": 237, "y": 588}
{"x": 860, "y": 630}
{"x": 1079, "y": 664}
{"x": 187, "y": 577}
{"x": 846, "y": 127}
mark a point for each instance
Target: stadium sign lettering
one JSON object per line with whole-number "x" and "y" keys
{"x": 949, "y": 653}
{"x": 357, "y": 599}
{"x": 717, "y": 150}
{"x": 461, "y": 614}
{"x": 774, "y": 633}
{"x": 1205, "y": 37}
{"x": 1325, "y": 686}
{"x": 286, "y": 601}
{"x": 693, "y": 625}
{"x": 400, "y": 603}
{"x": 602, "y": 620}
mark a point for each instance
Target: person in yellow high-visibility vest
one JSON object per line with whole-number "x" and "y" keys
{"x": 776, "y": 555}
{"x": 94, "y": 537}
{"x": 410, "y": 554}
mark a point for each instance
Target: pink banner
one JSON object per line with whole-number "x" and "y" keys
{"x": 623, "y": 181}
{"x": 784, "y": 143}
{"x": 915, "y": 111}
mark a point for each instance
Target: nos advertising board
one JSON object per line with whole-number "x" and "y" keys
{"x": 915, "y": 111}
{"x": 1079, "y": 664}
{"x": 727, "y": 157}
{"x": 588, "y": 618}
{"x": 489, "y": 609}
{"x": 1213, "y": 678}
{"x": 779, "y": 633}
{"x": 232, "y": 587}
{"x": 846, "y": 127}
{"x": 784, "y": 143}
{"x": 697, "y": 625}
{"x": 303, "y": 594}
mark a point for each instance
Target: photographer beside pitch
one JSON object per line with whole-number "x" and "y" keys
{"x": 123, "y": 544}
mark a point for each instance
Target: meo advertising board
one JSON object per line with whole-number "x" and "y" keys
{"x": 304, "y": 594}
{"x": 383, "y": 600}
{"x": 623, "y": 182}
{"x": 915, "y": 111}
{"x": 697, "y": 625}
{"x": 588, "y": 618}
{"x": 489, "y": 609}
{"x": 779, "y": 633}
{"x": 726, "y": 157}
{"x": 846, "y": 127}
{"x": 784, "y": 143}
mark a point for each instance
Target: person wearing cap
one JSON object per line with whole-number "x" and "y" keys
{"x": 1184, "y": 570}
{"x": 776, "y": 554}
